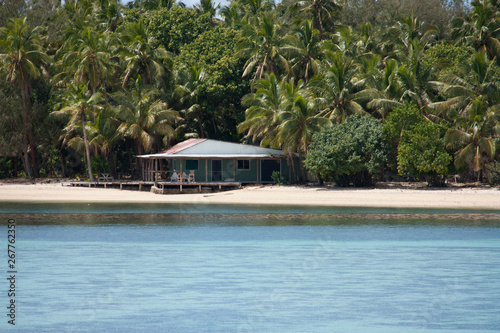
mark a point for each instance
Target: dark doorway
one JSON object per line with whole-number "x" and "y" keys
{"x": 216, "y": 170}
{"x": 267, "y": 169}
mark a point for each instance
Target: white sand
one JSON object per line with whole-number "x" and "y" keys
{"x": 475, "y": 198}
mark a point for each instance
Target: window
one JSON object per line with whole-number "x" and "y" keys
{"x": 243, "y": 164}
{"x": 191, "y": 164}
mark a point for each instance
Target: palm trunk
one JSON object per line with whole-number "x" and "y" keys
{"x": 301, "y": 165}
{"x": 290, "y": 157}
{"x": 29, "y": 128}
{"x": 26, "y": 161}
{"x": 87, "y": 150}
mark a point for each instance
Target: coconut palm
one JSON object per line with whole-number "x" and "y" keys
{"x": 103, "y": 134}
{"x": 476, "y": 141}
{"x": 306, "y": 49}
{"x": 270, "y": 99}
{"x": 339, "y": 90}
{"x": 231, "y": 15}
{"x": 263, "y": 45}
{"x": 144, "y": 117}
{"x": 141, "y": 57}
{"x": 207, "y": 6}
{"x": 23, "y": 58}
{"x": 79, "y": 104}
{"x": 191, "y": 81}
{"x": 298, "y": 125}
{"x": 321, "y": 12}
{"x": 87, "y": 59}
{"x": 478, "y": 80}
{"x": 481, "y": 29}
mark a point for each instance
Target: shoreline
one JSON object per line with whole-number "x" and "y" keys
{"x": 451, "y": 197}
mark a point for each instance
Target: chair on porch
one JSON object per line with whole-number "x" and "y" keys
{"x": 191, "y": 176}
{"x": 184, "y": 177}
{"x": 174, "y": 177}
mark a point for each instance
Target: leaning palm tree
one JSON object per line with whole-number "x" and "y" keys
{"x": 79, "y": 104}
{"x": 23, "y": 58}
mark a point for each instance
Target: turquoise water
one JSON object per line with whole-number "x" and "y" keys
{"x": 201, "y": 268}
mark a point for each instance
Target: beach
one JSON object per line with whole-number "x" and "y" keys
{"x": 396, "y": 197}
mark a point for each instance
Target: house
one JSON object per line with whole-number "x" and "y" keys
{"x": 213, "y": 161}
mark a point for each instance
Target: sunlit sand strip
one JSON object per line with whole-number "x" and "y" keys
{"x": 470, "y": 198}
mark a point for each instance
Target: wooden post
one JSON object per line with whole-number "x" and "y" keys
{"x": 180, "y": 173}
{"x": 206, "y": 170}
{"x": 258, "y": 178}
{"x": 234, "y": 170}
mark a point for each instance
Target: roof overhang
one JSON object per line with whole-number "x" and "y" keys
{"x": 210, "y": 156}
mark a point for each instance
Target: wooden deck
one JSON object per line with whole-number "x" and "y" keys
{"x": 161, "y": 187}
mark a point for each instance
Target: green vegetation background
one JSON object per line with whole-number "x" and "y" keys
{"x": 359, "y": 89}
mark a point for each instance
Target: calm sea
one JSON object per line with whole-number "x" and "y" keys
{"x": 215, "y": 268}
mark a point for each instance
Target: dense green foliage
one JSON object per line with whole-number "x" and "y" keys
{"x": 261, "y": 72}
{"x": 422, "y": 153}
{"x": 352, "y": 152}
{"x": 172, "y": 28}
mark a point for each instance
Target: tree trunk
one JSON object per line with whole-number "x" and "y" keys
{"x": 63, "y": 161}
{"x": 320, "y": 180}
{"x": 87, "y": 150}
{"x": 301, "y": 165}
{"x": 290, "y": 157}
{"x": 29, "y": 133}
{"x": 26, "y": 160}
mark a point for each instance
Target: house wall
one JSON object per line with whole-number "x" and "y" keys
{"x": 228, "y": 170}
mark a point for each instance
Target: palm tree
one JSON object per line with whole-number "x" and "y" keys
{"x": 478, "y": 80}
{"x": 481, "y": 29}
{"x": 264, "y": 106}
{"x": 232, "y": 15}
{"x": 321, "y": 12}
{"x": 297, "y": 126}
{"x": 103, "y": 135}
{"x": 144, "y": 117}
{"x": 339, "y": 90}
{"x": 87, "y": 57}
{"x": 190, "y": 89}
{"x": 207, "y": 6}
{"x": 252, "y": 10}
{"x": 264, "y": 47}
{"x": 79, "y": 103}
{"x": 306, "y": 49}
{"x": 477, "y": 140}
{"x": 385, "y": 82}
{"x": 23, "y": 58}
{"x": 110, "y": 15}
{"x": 141, "y": 57}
